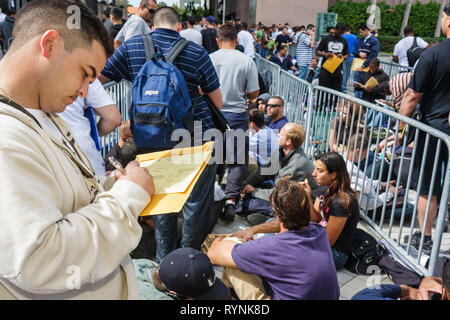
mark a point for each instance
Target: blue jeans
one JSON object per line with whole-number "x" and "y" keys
{"x": 237, "y": 162}
{"x": 347, "y": 65}
{"x": 304, "y": 70}
{"x": 339, "y": 258}
{"x": 356, "y": 78}
{"x": 198, "y": 218}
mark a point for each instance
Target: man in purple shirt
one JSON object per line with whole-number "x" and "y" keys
{"x": 275, "y": 107}
{"x": 294, "y": 264}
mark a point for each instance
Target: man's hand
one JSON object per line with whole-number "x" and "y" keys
{"x": 340, "y": 55}
{"x": 363, "y": 55}
{"x": 305, "y": 185}
{"x": 138, "y": 175}
{"x": 248, "y": 189}
{"x": 369, "y": 89}
{"x": 408, "y": 293}
{"x": 329, "y": 54}
{"x": 244, "y": 235}
{"x": 429, "y": 285}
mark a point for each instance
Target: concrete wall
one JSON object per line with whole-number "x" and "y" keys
{"x": 295, "y": 12}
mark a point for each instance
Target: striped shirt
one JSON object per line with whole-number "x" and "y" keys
{"x": 193, "y": 62}
{"x": 398, "y": 86}
{"x": 304, "y": 51}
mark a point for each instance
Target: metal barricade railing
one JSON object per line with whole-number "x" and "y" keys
{"x": 342, "y": 123}
{"x": 121, "y": 94}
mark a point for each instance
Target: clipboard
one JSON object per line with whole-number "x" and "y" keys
{"x": 174, "y": 202}
{"x": 358, "y": 63}
{"x": 89, "y": 113}
{"x": 332, "y": 63}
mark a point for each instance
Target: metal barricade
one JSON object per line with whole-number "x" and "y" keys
{"x": 121, "y": 94}
{"x": 270, "y": 72}
{"x": 343, "y": 123}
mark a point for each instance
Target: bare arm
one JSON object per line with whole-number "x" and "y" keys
{"x": 409, "y": 102}
{"x": 110, "y": 119}
{"x": 220, "y": 253}
{"x": 252, "y": 96}
{"x": 103, "y": 79}
{"x": 273, "y": 226}
{"x": 216, "y": 97}
{"x": 334, "y": 228}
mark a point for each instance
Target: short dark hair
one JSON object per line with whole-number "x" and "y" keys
{"x": 227, "y": 33}
{"x": 238, "y": 27}
{"x": 244, "y": 25}
{"x": 290, "y": 204}
{"x": 447, "y": 8}
{"x": 38, "y": 16}
{"x": 340, "y": 26}
{"x": 375, "y": 62}
{"x": 329, "y": 29}
{"x": 363, "y": 26}
{"x": 166, "y": 15}
{"x": 280, "y": 99}
{"x": 191, "y": 20}
{"x": 257, "y": 117}
{"x": 310, "y": 26}
{"x": 117, "y": 13}
{"x": 408, "y": 30}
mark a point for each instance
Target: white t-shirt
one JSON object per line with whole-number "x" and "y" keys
{"x": 192, "y": 35}
{"x": 403, "y": 46}
{"x": 238, "y": 75}
{"x": 80, "y": 126}
{"x": 246, "y": 40}
{"x": 133, "y": 27}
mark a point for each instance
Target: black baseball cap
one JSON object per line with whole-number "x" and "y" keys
{"x": 190, "y": 273}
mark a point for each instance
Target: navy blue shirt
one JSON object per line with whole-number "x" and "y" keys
{"x": 277, "y": 125}
{"x": 193, "y": 62}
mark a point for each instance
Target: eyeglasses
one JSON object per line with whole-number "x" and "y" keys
{"x": 152, "y": 11}
{"x": 273, "y": 105}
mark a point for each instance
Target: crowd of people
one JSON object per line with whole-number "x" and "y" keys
{"x": 65, "y": 207}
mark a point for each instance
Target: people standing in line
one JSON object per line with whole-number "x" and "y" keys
{"x": 430, "y": 85}
{"x": 367, "y": 48}
{"x": 116, "y": 20}
{"x": 400, "y": 54}
{"x": 246, "y": 40}
{"x": 238, "y": 77}
{"x": 352, "y": 41}
{"x": 6, "y": 30}
{"x": 137, "y": 24}
{"x": 196, "y": 66}
{"x": 209, "y": 35}
{"x": 283, "y": 38}
{"x": 333, "y": 44}
{"x": 191, "y": 33}
{"x": 305, "y": 47}
{"x": 282, "y": 59}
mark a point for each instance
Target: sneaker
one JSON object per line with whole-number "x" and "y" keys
{"x": 229, "y": 212}
{"x": 256, "y": 218}
{"x": 415, "y": 242}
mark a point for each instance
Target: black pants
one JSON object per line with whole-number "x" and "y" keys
{"x": 330, "y": 80}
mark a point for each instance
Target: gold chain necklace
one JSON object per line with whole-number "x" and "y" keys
{"x": 8, "y": 95}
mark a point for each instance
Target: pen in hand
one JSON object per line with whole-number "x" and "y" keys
{"x": 116, "y": 164}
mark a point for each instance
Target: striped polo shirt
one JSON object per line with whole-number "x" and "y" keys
{"x": 193, "y": 62}
{"x": 304, "y": 51}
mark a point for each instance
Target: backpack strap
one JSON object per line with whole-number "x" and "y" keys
{"x": 178, "y": 46}
{"x": 149, "y": 46}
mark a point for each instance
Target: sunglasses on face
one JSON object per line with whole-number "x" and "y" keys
{"x": 152, "y": 11}
{"x": 273, "y": 105}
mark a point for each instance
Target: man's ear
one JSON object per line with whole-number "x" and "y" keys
{"x": 179, "y": 27}
{"x": 50, "y": 42}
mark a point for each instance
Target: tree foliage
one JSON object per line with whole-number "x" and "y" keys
{"x": 423, "y": 17}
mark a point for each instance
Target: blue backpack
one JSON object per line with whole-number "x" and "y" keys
{"x": 160, "y": 98}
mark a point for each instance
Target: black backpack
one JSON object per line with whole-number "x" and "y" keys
{"x": 364, "y": 254}
{"x": 414, "y": 53}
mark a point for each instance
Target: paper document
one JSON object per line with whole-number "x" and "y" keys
{"x": 371, "y": 83}
{"x": 175, "y": 173}
{"x": 332, "y": 63}
{"x": 358, "y": 63}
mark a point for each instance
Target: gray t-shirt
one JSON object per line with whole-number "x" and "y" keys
{"x": 133, "y": 27}
{"x": 237, "y": 76}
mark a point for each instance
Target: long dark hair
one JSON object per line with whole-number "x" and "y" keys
{"x": 340, "y": 188}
